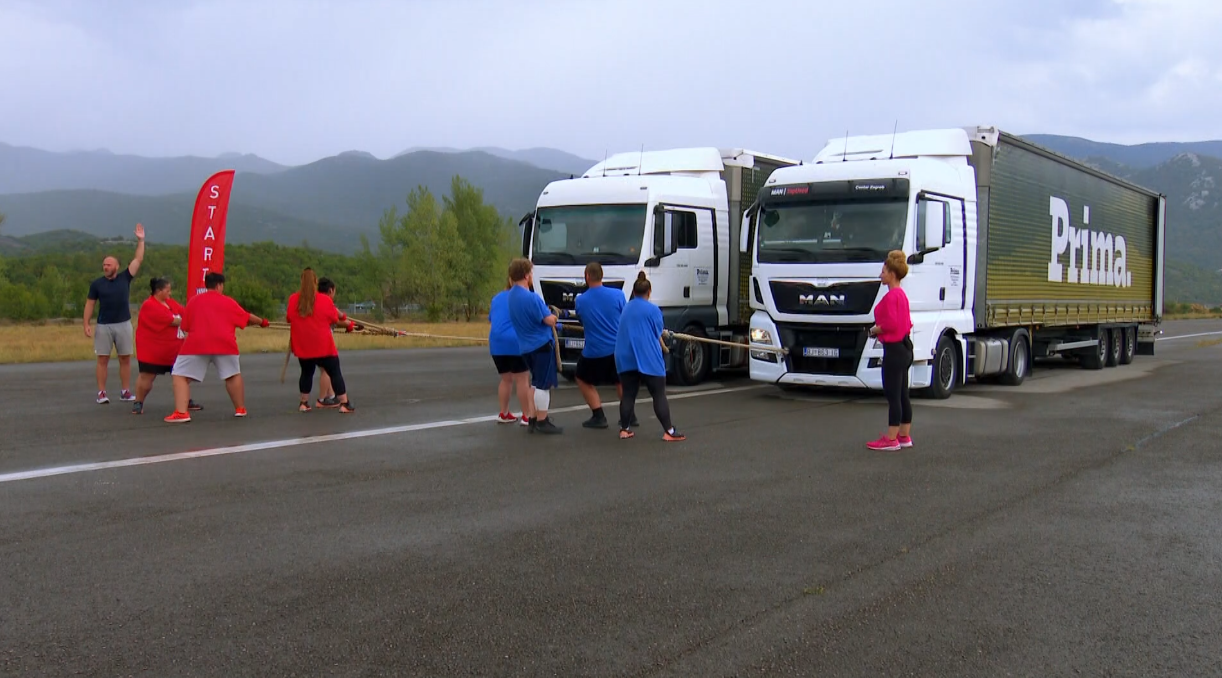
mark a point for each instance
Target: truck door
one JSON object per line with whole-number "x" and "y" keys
{"x": 698, "y": 239}
{"x": 929, "y": 284}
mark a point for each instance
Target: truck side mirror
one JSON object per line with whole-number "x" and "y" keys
{"x": 664, "y": 235}
{"x": 932, "y": 215}
{"x": 525, "y": 226}
{"x": 747, "y": 228}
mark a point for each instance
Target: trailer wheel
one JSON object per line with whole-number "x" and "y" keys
{"x": 1115, "y": 343}
{"x": 1095, "y": 358}
{"x": 945, "y": 369}
{"x": 1129, "y": 349}
{"x": 1020, "y": 361}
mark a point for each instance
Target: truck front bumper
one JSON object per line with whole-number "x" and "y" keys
{"x": 773, "y": 368}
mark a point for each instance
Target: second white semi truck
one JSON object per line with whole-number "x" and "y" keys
{"x": 675, "y": 214}
{"x": 1015, "y": 253}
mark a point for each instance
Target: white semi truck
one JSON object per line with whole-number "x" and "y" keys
{"x": 675, "y": 214}
{"x": 1015, "y": 253}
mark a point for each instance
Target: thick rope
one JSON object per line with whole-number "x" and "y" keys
{"x": 731, "y": 344}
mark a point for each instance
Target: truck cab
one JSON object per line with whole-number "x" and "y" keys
{"x": 674, "y": 214}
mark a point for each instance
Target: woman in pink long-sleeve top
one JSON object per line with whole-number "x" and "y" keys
{"x": 893, "y": 327}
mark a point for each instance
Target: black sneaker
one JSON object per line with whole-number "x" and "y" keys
{"x": 597, "y": 421}
{"x": 530, "y": 424}
{"x": 137, "y": 407}
{"x": 547, "y": 427}
{"x": 193, "y": 406}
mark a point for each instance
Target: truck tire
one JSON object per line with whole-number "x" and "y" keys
{"x": 945, "y": 370}
{"x": 1019, "y": 362}
{"x": 1129, "y": 348}
{"x": 1115, "y": 345}
{"x": 1095, "y": 358}
{"x": 692, "y": 362}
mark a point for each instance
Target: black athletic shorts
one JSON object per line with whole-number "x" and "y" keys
{"x": 150, "y": 368}
{"x": 598, "y": 371}
{"x": 510, "y": 364}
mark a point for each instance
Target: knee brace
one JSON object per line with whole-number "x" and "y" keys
{"x": 543, "y": 398}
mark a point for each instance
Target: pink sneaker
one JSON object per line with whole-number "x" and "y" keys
{"x": 505, "y": 418}
{"x": 884, "y": 444}
{"x": 904, "y": 441}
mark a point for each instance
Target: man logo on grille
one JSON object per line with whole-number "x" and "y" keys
{"x": 821, "y": 299}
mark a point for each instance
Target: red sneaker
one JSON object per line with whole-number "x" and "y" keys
{"x": 505, "y": 418}
{"x": 884, "y": 444}
{"x": 524, "y": 420}
{"x": 904, "y": 441}
{"x": 178, "y": 418}
{"x": 240, "y": 412}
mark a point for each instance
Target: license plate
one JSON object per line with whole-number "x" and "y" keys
{"x": 811, "y": 352}
{"x": 574, "y": 343}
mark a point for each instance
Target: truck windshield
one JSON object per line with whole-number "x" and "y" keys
{"x": 608, "y": 234}
{"x": 831, "y": 232}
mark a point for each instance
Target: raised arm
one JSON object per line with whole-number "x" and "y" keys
{"x": 134, "y": 267}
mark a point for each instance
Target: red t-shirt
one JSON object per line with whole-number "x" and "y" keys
{"x": 157, "y": 341}
{"x": 210, "y": 321}
{"x": 893, "y": 317}
{"x": 310, "y": 336}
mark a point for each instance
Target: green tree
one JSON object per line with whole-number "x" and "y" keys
{"x": 436, "y": 255}
{"x": 17, "y": 302}
{"x": 58, "y": 290}
{"x": 387, "y": 270}
{"x": 482, "y": 232}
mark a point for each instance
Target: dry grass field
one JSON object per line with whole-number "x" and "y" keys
{"x": 65, "y": 341}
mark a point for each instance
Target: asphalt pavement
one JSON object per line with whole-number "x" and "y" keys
{"x": 1068, "y": 526}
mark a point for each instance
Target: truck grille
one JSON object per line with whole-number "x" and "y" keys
{"x": 561, "y": 294}
{"x": 850, "y": 340}
{"x": 854, "y": 298}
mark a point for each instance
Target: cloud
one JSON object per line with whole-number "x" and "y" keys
{"x": 294, "y": 81}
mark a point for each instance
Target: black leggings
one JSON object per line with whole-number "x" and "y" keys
{"x": 330, "y": 365}
{"x": 897, "y": 358}
{"x": 657, "y": 389}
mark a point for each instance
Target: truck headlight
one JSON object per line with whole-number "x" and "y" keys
{"x": 760, "y": 336}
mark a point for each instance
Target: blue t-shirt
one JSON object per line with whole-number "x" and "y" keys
{"x": 112, "y": 297}
{"x": 526, "y": 313}
{"x": 639, "y": 344}
{"x": 501, "y": 338}
{"x": 600, "y": 309}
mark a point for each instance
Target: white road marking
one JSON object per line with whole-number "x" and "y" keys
{"x": 1187, "y": 336}
{"x": 294, "y": 442}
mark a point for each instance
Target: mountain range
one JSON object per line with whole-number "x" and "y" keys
{"x": 333, "y": 201}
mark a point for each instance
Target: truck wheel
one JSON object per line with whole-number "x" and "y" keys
{"x": 1129, "y": 348}
{"x": 945, "y": 370}
{"x": 692, "y": 360}
{"x": 1095, "y": 358}
{"x": 1115, "y": 344}
{"x": 1020, "y": 361}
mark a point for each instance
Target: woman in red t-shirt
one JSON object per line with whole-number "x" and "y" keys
{"x": 893, "y": 327}
{"x": 157, "y": 340}
{"x": 310, "y": 317}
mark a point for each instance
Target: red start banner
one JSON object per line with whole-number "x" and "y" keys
{"x": 208, "y": 231}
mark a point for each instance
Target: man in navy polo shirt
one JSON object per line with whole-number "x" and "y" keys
{"x": 111, "y": 293}
{"x": 533, "y": 323}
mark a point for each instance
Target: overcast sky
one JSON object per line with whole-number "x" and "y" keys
{"x": 296, "y": 81}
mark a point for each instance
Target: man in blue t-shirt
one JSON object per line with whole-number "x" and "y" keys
{"x": 111, "y": 293}
{"x": 533, "y": 323}
{"x": 507, "y": 356}
{"x": 599, "y": 309}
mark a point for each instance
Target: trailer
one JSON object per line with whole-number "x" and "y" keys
{"x": 1015, "y": 253}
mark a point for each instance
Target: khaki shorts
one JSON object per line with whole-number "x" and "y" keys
{"x": 194, "y": 367}
{"x": 117, "y": 335}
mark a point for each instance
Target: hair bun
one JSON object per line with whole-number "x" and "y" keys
{"x": 641, "y": 276}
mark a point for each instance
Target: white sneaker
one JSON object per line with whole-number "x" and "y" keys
{"x": 102, "y": 399}
{"x": 126, "y": 396}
